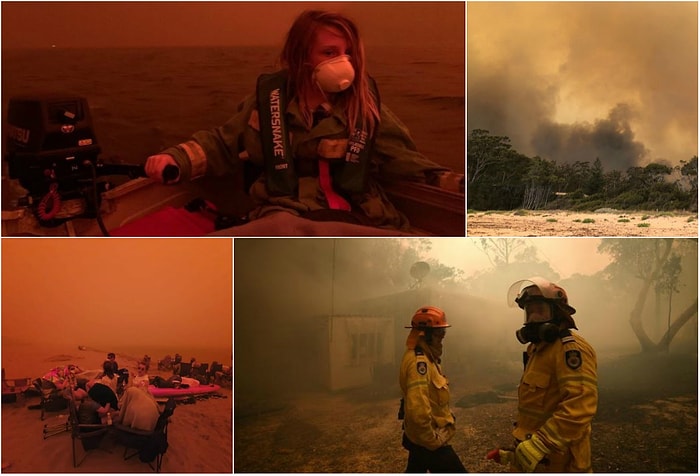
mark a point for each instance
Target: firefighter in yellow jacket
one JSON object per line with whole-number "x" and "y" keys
{"x": 558, "y": 392}
{"x": 429, "y": 425}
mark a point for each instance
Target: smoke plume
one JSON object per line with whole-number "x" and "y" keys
{"x": 583, "y": 80}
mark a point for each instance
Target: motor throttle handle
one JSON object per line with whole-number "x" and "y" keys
{"x": 170, "y": 173}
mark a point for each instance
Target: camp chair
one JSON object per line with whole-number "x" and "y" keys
{"x": 148, "y": 445}
{"x": 89, "y": 435}
{"x": 200, "y": 373}
{"x": 185, "y": 369}
{"x": 215, "y": 367}
{"x": 166, "y": 363}
{"x": 52, "y": 399}
{"x": 13, "y": 386}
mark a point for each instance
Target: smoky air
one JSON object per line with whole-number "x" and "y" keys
{"x": 319, "y": 334}
{"x": 589, "y": 82}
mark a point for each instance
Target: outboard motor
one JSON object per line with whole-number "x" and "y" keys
{"x": 50, "y": 141}
{"x": 52, "y": 151}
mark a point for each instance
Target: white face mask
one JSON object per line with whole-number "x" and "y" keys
{"x": 334, "y": 75}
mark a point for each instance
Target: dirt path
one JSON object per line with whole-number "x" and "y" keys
{"x": 566, "y": 223}
{"x": 646, "y": 422}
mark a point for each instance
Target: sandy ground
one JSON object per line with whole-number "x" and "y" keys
{"x": 199, "y": 434}
{"x": 566, "y": 223}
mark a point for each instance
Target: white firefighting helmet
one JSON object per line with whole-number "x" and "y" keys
{"x": 536, "y": 287}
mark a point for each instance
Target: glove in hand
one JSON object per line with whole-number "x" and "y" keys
{"x": 529, "y": 453}
{"x": 501, "y": 456}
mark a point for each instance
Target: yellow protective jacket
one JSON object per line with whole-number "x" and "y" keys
{"x": 557, "y": 399}
{"x": 428, "y": 421}
{"x": 223, "y": 149}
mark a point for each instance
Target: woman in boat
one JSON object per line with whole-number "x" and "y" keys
{"x": 319, "y": 135}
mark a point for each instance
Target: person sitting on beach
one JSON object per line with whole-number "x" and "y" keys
{"x": 138, "y": 410}
{"x": 113, "y": 358}
{"x": 166, "y": 363}
{"x": 61, "y": 376}
{"x": 141, "y": 380}
{"x": 317, "y": 137}
{"x": 87, "y": 408}
{"x": 105, "y": 397}
{"x": 109, "y": 376}
{"x": 147, "y": 361}
{"x": 122, "y": 374}
{"x": 224, "y": 377}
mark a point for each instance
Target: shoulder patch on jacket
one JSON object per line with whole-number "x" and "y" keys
{"x": 573, "y": 359}
{"x": 422, "y": 368}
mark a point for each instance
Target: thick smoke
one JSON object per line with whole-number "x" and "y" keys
{"x": 578, "y": 80}
{"x": 610, "y": 139}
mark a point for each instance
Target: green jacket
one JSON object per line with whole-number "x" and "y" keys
{"x": 223, "y": 149}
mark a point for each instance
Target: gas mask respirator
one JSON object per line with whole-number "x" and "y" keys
{"x": 537, "y": 332}
{"x": 334, "y": 75}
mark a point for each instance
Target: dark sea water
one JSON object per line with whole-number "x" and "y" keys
{"x": 143, "y": 100}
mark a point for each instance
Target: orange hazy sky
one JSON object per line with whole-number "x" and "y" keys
{"x": 118, "y": 291}
{"x": 142, "y": 24}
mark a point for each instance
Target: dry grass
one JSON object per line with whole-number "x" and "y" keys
{"x": 566, "y": 223}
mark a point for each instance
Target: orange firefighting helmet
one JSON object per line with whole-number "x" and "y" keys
{"x": 428, "y": 317}
{"x": 536, "y": 287}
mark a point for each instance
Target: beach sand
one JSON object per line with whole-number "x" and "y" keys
{"x": 566, "y": 223}
{"x": 199, "y": 434}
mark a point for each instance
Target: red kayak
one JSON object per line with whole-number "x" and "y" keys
{"x": 158, "y": 392}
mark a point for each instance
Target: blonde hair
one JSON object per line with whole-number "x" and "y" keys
{"x": 360, "y": 104}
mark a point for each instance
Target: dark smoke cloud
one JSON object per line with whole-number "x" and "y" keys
{"x": 579, "y": 80}
{"x": 611, "y": 140}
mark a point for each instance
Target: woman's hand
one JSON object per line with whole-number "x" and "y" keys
{"x": 155, "y": 165}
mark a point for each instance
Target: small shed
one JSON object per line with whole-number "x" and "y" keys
{"x": 356, "y": 347}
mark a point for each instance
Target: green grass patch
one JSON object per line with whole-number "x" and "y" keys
{"x": 643, "y": 225}
{"x": 553, "y": 220}
{"x": 623, "y": 220}
{"x": 521, "y": 213}
{"x": 645, "y": 217}
{"x": 692, "y": 219}
{"x": 588, "y": 220}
